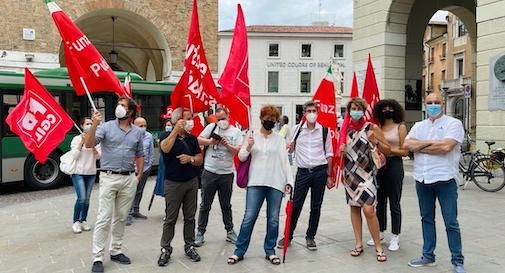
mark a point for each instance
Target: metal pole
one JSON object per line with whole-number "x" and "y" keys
{"x": 446, "y": 98}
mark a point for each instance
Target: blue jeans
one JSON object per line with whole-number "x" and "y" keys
{"x": 447, "y": 194}
{"x": 254, "y": 200}
{"x": 83, "y": 184}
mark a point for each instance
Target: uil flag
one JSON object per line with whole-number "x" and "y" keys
{"x": 370, "y": 91}
{"x": 196, "y": 89}
{"x": 337, "y": 159}
{"x": 84, "y": 63}
{"x": 39, "y": 120}
{"x": 234, "y": 80}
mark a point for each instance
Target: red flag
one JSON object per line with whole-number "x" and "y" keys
{"x": 339, "y": 161}
{"x": 39, "y": 120}
{"x": 325, "y": 99}
{"x": 196, "y": 89}
{"x": 370, "y": 91}
{"x": 197, "y": 126}
{"x": 82, "y": 58}
{"x": 127, "y": 86}
{"x": 234, "y": 81}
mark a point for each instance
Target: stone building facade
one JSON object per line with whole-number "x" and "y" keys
{"x": 392, "y": 31}
{"x": 150, "y": 36}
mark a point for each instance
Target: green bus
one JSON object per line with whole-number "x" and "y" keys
{"x": 17, "y": 164}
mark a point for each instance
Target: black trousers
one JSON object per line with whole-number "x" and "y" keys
{"x": 316, "y": 182}
{"x": 140, "y": 190}
{"x": 390, "y": 180}
{"x": 179, "y": 194}
{"x": 223, "y": 185}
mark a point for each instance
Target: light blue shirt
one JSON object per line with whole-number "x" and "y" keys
{"x": 120, "y": 147}
{"x": 148, "y": 150}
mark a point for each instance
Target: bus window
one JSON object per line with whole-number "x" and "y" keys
{"x": 9, "y": 102}
{"x": 73, "y": 107}
{"x": 150, "y": 110}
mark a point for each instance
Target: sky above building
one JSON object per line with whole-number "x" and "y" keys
{"x": 291, "y": 12}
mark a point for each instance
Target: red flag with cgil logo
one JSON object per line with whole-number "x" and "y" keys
{"x": 234, "y": 80}
{"x": 84, "y": 63}
{"x": 39, "y": 120}
{"x": 196, "y": 89}
{"x": 370, "y": 91}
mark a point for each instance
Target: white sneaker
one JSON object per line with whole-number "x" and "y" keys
{"x": 76, "y": 227}
{"x": 372, "y": 243}
{"x": 85, "y": 226}
{"x": 394, "y": 244}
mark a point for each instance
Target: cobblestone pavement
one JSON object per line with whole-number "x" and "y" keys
{"x": 36, "y": 236}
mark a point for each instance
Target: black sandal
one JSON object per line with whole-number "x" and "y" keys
{"x": 273, "y": 259}
{"x": 381, "y": 257}
{"x": 356, "y": 252}
{"x": 234, "y": 259}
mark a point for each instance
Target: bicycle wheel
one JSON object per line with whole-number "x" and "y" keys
{"x": 488, "y": 174}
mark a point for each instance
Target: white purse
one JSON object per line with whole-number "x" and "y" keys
{"x": 68, "y": 164}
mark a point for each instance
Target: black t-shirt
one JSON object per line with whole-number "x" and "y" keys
{"x": 174, "y": 170}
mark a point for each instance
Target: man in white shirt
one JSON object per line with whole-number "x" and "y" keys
{"x": 222, "y": 141}
{"x": 311, "y": 144}
{"x": 436, "y": 143}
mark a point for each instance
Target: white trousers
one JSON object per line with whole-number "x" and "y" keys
{"x": 115, "y": 198}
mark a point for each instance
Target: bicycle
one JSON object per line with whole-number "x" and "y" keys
{"x": 485, "y": 170}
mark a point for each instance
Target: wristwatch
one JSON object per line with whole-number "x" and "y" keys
{"x": 192, "y": 160}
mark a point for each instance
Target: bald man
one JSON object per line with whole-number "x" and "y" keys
{"x": 436, "y": 143}
{"x": 148, "y": 163}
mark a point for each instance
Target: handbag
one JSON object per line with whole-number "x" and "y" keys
{"x": 68, "y": 164}
{"x": 243, "y": 172}
{"x": 378, "y": 158}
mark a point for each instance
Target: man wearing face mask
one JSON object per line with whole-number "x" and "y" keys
{"x": 222, "y": 141}
{"x": 436, "y": 143}
{"x": 121, "y": 144}
{"x": 182, "y": 158}
{"x": 313, "y": 155}
{"x": 148, "y": 163}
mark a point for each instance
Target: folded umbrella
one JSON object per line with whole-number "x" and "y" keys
{"x": 287, "y": 225}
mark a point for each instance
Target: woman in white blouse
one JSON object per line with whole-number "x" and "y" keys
{"x": 84, "y": 176}
{"x": 269, "y": 177}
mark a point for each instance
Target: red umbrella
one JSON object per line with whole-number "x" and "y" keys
{"x": 287, "y": 225}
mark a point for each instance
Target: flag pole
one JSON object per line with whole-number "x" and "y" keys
{"x": 88, "y": 94}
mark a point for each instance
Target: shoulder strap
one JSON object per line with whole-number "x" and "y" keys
{"x": 205, "y": 147}
{"x": 299, "y": 131}
{"x": 213, "y": 129}
{"x": 325, "y": 137}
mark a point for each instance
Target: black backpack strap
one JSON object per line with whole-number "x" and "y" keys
{"x": 325, "y": 137}
{"x": 299, "y": 131}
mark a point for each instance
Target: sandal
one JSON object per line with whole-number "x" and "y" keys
{"x": 356, "y": 252}
{"x": 234, "y": 259}
{"x": 273, "y": 259}
{"x": 381, "y": 257}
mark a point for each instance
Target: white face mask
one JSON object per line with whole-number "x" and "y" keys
{"x": 189, "y": 125}
{"x": 223, "y": 124}
{"x": 120, "y": 112}
{"x": 86, "y": 128}
{"x": 311, "y": 117}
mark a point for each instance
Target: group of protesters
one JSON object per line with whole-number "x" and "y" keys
{"x": 125, "y": 149}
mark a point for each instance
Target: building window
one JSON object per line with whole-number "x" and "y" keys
{"x": 342, "y": 82}
{"x": 443, "y": 75}
{"x": 273, "y": 82}
{"x": 305, "y": 82}
{"x": 444, "y": 50}
{"x": 306, "y": 51}
{"x": 459, "y": 69}
{"x": 459, "y": 109}
{"x": 432, "y": 53}
{"x": 460, "y": 28}
{"x": 299, "y": 113}
{"x": 338, "y": 51}
{"x": 273, "y": 50}
{"x": 432, "y": 81}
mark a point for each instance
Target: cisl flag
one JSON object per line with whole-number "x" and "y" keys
{"x": 196, "y": 89}
{"x": 234, "y": 80}
{"x": 38, "y": 119}
{"x": 84, "y": 63}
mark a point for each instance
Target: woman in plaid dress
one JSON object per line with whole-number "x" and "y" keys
{"x": 359, "y": 174}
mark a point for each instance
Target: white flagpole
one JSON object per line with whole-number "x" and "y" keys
{"x": 77, "y": 127}
{"x": 88, "y": 94}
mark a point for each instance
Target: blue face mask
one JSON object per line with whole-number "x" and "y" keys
{"x": 168, "y": 128}
{"x": 356, "y": 115}
{"x": 433, "y": 110}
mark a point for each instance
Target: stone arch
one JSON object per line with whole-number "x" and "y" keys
{"x": 137, "y": 39}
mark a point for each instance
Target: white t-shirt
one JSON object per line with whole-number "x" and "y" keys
{"x": 218, "y": 159}
{"x": 430, "y": 168}
{"x": 85, "y": 157}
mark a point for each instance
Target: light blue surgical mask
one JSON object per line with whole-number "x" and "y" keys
{"x": 433, "y": 110}
{"x": 168, "y": 128}
{"x": 356, "y": 115}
